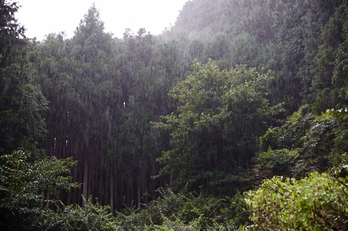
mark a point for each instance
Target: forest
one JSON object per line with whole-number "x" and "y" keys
{"x": 234, "y": 118}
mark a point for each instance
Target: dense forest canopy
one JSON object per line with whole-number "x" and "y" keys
{"x": 237, "y": 111}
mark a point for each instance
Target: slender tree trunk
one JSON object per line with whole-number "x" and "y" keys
{"x": 111, "y": 191}
{"x": 139, "y": 193}
{"x": 85, "y": 179}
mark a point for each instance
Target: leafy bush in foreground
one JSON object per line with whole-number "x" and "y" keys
{"x": 318, "y": 202}
{"x": 29, "y": 197}
{"x": 73, "y": 217}
{"x": 181, "y": 211}
{"x": 27, "y": 188}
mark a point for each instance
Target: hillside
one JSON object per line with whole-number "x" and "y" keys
{"x": 175, "y": 130}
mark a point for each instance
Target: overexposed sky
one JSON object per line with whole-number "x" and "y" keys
{"x": 42, "y": 17}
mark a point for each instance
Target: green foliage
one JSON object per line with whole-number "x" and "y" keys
{"x": 11, "y": 31}
{"x": 245, "y": 50}
{"x": 214, "y": 134}
{"x": 279, "y": 161}
{"x": 330, "y": 79}
{"x": 303, "y": 144}
{"x": 339, "y": 151}
{"x": 89, "y": 217}
{"x": 282, "y": 36}
{"x": 21, "y": 100}
{"x": 317, "y": 202}
{"x": 29, "y": 197}
{"x": 104, "y": 91}
{"x": 197, "y": 18}
{"x": 327, "y": 98}
{"x": 219, "y": 50}
{"x": 181, "y": 211}
{"x": 26, "y": 188}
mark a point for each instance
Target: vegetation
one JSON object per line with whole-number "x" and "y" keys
{"x": 234, "y": 118}
{"x": 316, "y": 202}
{"x": 215, "y": 132}
{"x": 28, "y": 190}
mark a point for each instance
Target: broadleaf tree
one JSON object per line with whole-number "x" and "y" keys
{"x": 215, "y": 132}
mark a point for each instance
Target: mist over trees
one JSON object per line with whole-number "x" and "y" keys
{"x": 170, "y": 130}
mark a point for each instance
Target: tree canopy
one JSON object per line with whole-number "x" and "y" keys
{"x": 215, "y": 132}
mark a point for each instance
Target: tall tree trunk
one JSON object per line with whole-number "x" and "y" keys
{"x": 85, "y": 179}
{"x": 111, "y": 191}
{"x": 139, "y": 193}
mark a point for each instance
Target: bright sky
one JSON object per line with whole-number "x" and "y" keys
{"x": 42, "y": 17}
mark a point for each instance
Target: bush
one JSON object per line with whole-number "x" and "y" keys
{"x": 181, "y": 211}
{"x": 318, "y": 202}
{"x": 25, "y": 188}
{"x": 89, "y": 217}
